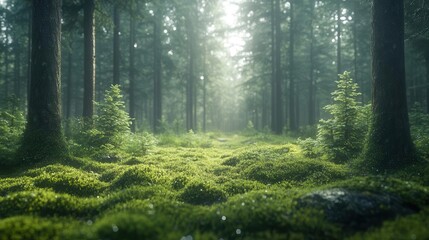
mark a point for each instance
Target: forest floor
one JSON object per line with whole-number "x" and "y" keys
{"x": 212, "y": 187}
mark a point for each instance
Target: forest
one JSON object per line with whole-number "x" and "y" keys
{"x": 214, "y": 119}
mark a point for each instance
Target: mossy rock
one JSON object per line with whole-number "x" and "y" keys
{"x": 202, "y": 193}
{"x": 355, "y": 210}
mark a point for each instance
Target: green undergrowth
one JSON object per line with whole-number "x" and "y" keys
{"x": 202, "y": 187}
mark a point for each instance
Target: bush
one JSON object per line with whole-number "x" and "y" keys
{"x": 340, "y": 137}
{"x": 12, "y": 124}
{"x": 112, "y": 121}
{"x": 419, "y": 122}
{"x": 139, "y": 144}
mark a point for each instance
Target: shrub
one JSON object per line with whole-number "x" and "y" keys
{"x": 419, "y": 122}
{"x": 341, "y": 137}
{"x": 112, "y": 121}
{"x": 139, "y": 144}
{"x": 12, "y": 124}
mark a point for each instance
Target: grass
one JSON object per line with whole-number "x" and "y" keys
{"x": 198, "y": 187}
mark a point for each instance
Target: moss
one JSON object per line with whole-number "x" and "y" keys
{"x": 10, "y": 185}
{"x": 72, "y": 181}
{"x": 410, "y": 227}
{"x": 47, "y": 203}
{"x": 310, "y": 171}
{"x": 31, "y": 227}
{"x": 37, "y": 146}
{"x": 139, "y": 175}
{"x": 202, "y": 193}
{"x": 410, "y": 192}
{"x": 127, "y": 225}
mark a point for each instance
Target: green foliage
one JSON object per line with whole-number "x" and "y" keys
{"x": 31, "y": 227}
{"x": 409, "y": 227}
{"x": 202, "y": 193}
{"x": 310, "y": 147}
{"x": 340, "y": 137}
{"x": 127, "y": 225}
{"x": 188, "y": 140}
{"x": 139, "y": 175}
{"x": 419, "y": 122}
{"x": 112, "y": 121}
{"x": 69, "y": 180}
{"x": 12, "y": 124}
{"x": 109, "y": 138}
{"x": 308, "y": 171}
{"x": 139, "y": 144}
{"x": 46, "y": 203}
{"x": 228, "y": 191}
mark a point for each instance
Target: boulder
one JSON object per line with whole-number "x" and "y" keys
{"x": 355, "y": 210}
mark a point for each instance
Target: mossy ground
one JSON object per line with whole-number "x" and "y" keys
{"x": 198, "y": 187}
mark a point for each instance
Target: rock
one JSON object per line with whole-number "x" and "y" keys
{"x": 356, "y": 210}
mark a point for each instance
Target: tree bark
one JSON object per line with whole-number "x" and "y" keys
{"x": 427, "y": 81}
{"x": 274, "y": 118}
{"x": 43, "y": 137}
{"x": 190, "y": 125}
{"x": 131, "y": 91}
{"x": 157, "y": 97}
{"x": 89, "y": 59}
{"x": 116, "y": 47}
{"x": 69, "y": 89}
{"x": 389, "y": 145}
{"x": 293, "y": 125}
{"x": 29, "y": 40}
{"x": 311, "y": 94}
{"x": 339, "y": 31}
{"x": 17, "y": 70}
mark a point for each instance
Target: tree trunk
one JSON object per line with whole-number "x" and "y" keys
{"x": 311, "y": 100}
{"x": 17, "y": 70}
{"x": 157, "y": 97}
{"x": 89, "y": 59}
{"x": 355, "y": 48}
{"x": 273, "y": 68}
{"x": 205, "y": 86}
{"x": 29, "y": 40}
{"x": 190, "y": 125}
{"x": 427, "y": 80}
{"x": 69, "y": 89}
{"x": 276, "y": 83}
{"x": 293, "y": 125}
{"x": 43, "y": 138}
{"x": 389, "y": 145}
{"x": 6, "y": 63}
{"x": 132, "y": 69}
{"x": 339, "y": 30}
{"x": 116, "y": 50}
